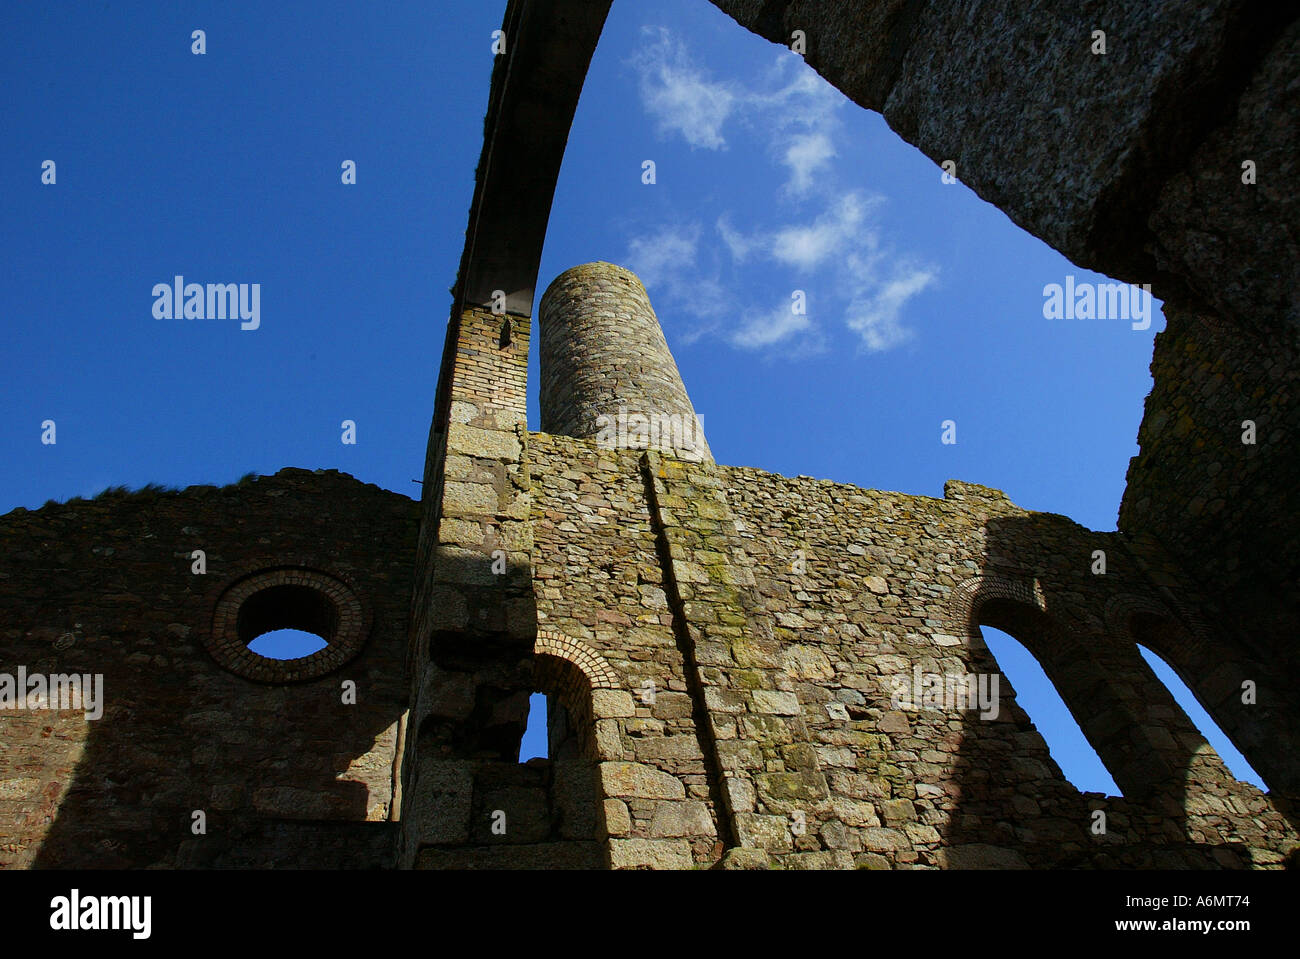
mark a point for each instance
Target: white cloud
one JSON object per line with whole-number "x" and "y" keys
{"x": 679, "y": 96}
{"x": 807, "y": 100}
{"x": 875, "y": 317}
{"x": 799, "y": 119}
{"x": 807, "y": 155}
{"x": 796, "y": 114}
{"x": 670, "y": 264}
{"x": 737, "y": 243}
{"x": 833, "y": 250}
{"x": 770, "y": 328}
{"x": 659, "y": 256}
{"x": 842, "y": 261}
{"x": 839, "y": 256}
{"x": 840, "y": 227}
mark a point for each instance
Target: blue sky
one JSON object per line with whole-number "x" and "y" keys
{"x": 924, "y": 303}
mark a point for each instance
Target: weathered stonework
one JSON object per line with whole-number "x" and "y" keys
{"x": 733, "y": 659}
{"x": 787, "y": 607}
{"x": 285, "y": 772}
{"x": 1216, "y": 484}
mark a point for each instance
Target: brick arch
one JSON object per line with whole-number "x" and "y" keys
{"x": 1077, "y": 661}
{"x": 597, "y": 670}
{"x": 1022, "y": 613}
{"x": 1051, "y": 639}
{"x": 344, "y": 621}
{"x": 1205, "y": 667}
{"x": 570, "y": 671}
{"x": 970, "y": 594}
{"x": 1121, "y": 609}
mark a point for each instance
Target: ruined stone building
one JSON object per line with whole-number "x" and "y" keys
{"x": 722, "y": 646}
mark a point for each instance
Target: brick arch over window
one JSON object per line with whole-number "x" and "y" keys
{"x": 556, "y": 646}
{"x": 287, "y": 595}
{"x": 1209, "y": 668}
{"x": 970, "y": 594}
{"x": 570, "y": 670}
{"x": 1122, "y": 610}
{"x": 1097, "y": 679}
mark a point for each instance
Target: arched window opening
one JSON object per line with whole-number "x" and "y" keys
{"x": 1039, "y": 698}
{"x": 1205, "y": 725}
{"x": 564, "y": 670}
{"x": 535, "y": 744}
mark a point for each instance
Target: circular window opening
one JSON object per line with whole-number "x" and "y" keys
{"x": 287, "y": 644}
{"x": 286, "y": 625}
{"x": 290, "y": 607}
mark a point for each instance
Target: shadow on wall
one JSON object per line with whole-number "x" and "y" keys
{"x": 1180, "y": 806}
{"x": 469, "y": 808}
{"x": 283, "y": 775}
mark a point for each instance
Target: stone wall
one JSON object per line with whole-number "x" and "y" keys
{"x": 720, "y": 646}
{"x": 287, "y": 774}
{"x": 779, "y": 613}
{"x": 890, "y": 582}
{"x": 473, "y": 621}
{"x": 600, "y": 582}
{"x": 1216, "y": 484}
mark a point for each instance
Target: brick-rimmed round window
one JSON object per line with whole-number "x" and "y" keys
{"x": 287, "y": 598}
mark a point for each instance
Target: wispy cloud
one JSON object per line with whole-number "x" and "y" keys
{"x": 833, "y": 244}
{"x": 679, "y": 95}
{"x": 838, "y": 230}
{"x": 841, "y": 251}
{"x": 838, "y": 258}
{"x": 767, "y": 329}
{"x": 737, "y": 243}
{"x": 874, "y": 314}
{"x": 796, "y": 114}
{"x": 798, "y": 118}
{"x": 806, "y": 156}
{"x": 660, "y": 256}
{"x": 668, "y": 259}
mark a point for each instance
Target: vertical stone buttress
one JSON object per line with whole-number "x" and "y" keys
{"x": 474, "y": 620}
{"x": 607, "y": 373}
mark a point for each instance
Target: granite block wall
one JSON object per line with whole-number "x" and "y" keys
{"x": 782, "y": 615}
